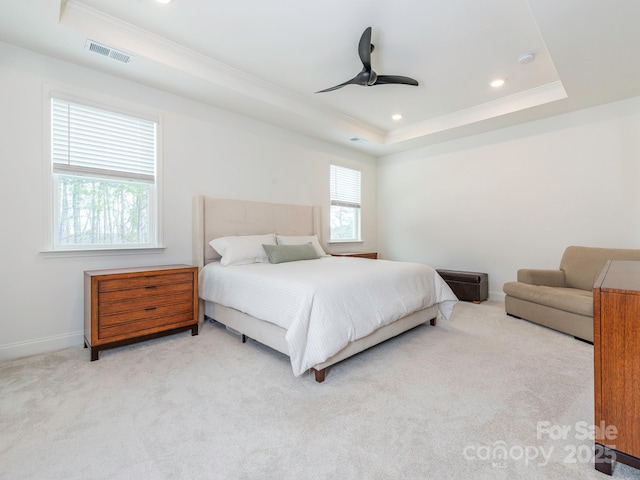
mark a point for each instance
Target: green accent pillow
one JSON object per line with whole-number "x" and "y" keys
{"x": 290, "y": 253}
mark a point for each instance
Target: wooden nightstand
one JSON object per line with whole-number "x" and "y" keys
{"x": 372, "y": 255}
{"x": 127, "y": 305}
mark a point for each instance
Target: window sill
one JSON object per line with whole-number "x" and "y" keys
{"x": 99, "y": 252}
{"x": 343, "y": 242}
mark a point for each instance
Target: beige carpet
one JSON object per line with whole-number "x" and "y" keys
{"x": 436, "y": 403}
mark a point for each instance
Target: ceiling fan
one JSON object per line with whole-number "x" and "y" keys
{"x": 367, "y": 77}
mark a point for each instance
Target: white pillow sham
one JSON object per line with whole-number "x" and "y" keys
{"x": 244, "y": 249}
{"x": 301, "y": 240}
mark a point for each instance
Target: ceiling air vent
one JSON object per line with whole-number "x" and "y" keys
{"x": 106, "y": 51}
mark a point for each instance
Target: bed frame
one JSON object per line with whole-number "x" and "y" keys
{"x": 215, "y": 217}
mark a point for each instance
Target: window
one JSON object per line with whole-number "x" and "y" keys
{"x": 345, "y": 204}
{"x": 103, "y": 170}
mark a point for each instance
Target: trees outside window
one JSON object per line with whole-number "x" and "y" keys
{"x": 102, "y": 212}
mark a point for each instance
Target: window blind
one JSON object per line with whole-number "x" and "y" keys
{"x": 345, "y": 187}
{"x": 93, "y": 142}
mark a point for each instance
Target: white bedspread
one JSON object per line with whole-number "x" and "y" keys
{"x": 326, "y": 303}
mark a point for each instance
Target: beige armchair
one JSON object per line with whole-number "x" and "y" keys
{"x": 562, "y": 299}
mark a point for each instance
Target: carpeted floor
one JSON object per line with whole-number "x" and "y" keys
{"x": 482, "y": 396}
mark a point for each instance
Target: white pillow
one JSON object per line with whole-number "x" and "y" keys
{"x": 241, "y": 250}
{"x": 301, "y": 240}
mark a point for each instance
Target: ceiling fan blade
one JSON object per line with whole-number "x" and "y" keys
{"x": 353, "y": 81}
{"x": 395, "y": 79}
{"x": 364, "y": 48}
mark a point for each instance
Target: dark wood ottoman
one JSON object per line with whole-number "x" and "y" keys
{"x": 468, "y": 286}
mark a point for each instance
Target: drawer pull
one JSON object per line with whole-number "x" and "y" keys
{"x": 150, "y": 308}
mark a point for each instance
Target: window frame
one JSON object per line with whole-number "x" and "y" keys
{"x": 156, "y": 230}
{"x": 358, "y": 208}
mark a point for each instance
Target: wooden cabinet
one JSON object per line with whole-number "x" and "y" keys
{"x": 372, "y": 255}
{"x": 127, "y": 305}
{"x": 616, "y": 317}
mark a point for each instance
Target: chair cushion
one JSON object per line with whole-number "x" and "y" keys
{"x": 573, "y": 300}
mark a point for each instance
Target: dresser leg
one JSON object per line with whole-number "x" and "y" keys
{"x": 94, "y": 353}
{"x": 604, "y": 459}
{"x": 194, "y": 330}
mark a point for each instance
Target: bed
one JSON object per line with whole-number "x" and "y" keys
{"x": 296, "y": 322}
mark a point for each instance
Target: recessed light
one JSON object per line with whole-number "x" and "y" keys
{"x": 164, "y": 1}
{"x": 498, "y": 82}
{"x": 396, "y": 116}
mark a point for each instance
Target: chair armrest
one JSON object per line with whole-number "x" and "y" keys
{"x": 550, "y": 278}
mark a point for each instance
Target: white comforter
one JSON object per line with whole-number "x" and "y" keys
{"x": 326, "y": 303}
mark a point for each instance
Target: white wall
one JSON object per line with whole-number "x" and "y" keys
{"x": 206, "y": 150}
{"x": 494, "y": 202}
{"x": 516, "y": 197}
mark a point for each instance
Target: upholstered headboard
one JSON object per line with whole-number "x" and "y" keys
{"x": 218, "y": 217}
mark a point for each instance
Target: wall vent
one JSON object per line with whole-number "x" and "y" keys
{"x": 106, "y": 51}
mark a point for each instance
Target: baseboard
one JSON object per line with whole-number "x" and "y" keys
{"x": 497, "y": 296}
{"x": 40, "y": 345}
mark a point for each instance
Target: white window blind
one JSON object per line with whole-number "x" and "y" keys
{"x": 93, "y": 142}
{"x": 345, "y": 187}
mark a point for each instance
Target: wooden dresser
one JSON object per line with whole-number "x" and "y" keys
{"x": 127, "y": 305}
{"x": 372, "y": 255}
{"x": 616, "y": 322}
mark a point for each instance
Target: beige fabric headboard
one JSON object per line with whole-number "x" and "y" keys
{"x": 219, "y": 217}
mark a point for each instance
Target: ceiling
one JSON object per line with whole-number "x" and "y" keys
{"x": 266, "y": 59}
